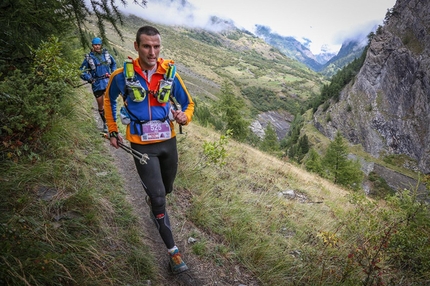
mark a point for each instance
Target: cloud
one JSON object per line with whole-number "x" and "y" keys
{"x": 315, "y": 23}
{"x": 176, "y": 13}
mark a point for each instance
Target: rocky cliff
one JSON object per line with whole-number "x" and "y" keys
{"x": 280, "y": 120}
{"x": 386, "y": 108}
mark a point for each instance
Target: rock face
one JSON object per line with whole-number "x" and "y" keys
{"x": 280, "y": 120}
{"x": 387, "y": 107}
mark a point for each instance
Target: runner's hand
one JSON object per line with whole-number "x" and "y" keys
{"x": 179, "y": 116}
{"x": 114, "y": 140}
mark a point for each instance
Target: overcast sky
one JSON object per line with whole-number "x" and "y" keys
{"x": 328, "y": 22}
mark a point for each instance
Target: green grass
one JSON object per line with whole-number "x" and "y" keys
{"x": 314, "y": 239}
{"x": 84, "y": 233}
{"x": 65, "y": 220}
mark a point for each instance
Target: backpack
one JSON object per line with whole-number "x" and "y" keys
{"x": 135, "y": 91}
{"x": 91, "y": 63}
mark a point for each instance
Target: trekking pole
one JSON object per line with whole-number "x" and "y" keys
{"x": 176, "y": 106}
{"x": 79, "y": 85}
{"x": 75, "y": 86}
{"x": 143, "y": 158}
{"x": 95, "y": 79}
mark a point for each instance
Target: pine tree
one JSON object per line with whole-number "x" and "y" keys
{"x": 335, "y": 158}
{"x": 351, "y": 175}
{"x": 231, "y": 107}
{"x": 270, "y": 141}
{"x": 338, "y": 167}
{"x": 25, "y": 24}
{"x": 313, "y": 162}
{"x": 294, "y": 133}
{"x": 303, "y": 148}
{"x": 291, "y": 153}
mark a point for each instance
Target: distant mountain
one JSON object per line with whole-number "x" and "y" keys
{"x": 349, "y": 51}
{"x": 325, "y": 55}
{"x": 289, "y": 46}
{"x": 326, "y": 63}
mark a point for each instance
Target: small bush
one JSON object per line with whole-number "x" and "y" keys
{"x": 380, "y": 187}
{"x": 29, "y": 101}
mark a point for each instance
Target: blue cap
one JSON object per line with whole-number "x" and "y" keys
{"x": 96, "y": 41}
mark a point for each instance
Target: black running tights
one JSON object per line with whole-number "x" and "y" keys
{"x": 157, "y": 177}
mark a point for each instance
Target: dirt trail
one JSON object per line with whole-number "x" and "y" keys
{"x": 201, "y": 271}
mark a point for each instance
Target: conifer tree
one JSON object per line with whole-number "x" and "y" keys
{"x": 270, "y": 141}
{"x": 231, "y": 107}
{"x": 338, "y": 167}
{"x": 291, "y": 153}
{"x": 313, "y": 162}
{"x": 294, "y": 133}
{"x": 25, "y": 24}
{"x": 303, "y": 148}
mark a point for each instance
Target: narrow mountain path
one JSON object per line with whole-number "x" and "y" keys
{"x": 202, "y": 271}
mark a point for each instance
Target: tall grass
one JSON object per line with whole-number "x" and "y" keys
{"x": 65, "y": 220}
{"x": 290, "y": 227}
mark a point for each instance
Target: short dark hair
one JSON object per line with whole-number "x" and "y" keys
{"x": 146, "y": 30}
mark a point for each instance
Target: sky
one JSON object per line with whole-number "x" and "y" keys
{"x": 324, "y": 22}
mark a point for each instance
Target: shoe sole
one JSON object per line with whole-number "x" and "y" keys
{"x": 180, "y": 270}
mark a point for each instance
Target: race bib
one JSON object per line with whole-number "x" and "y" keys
{"x": 156, "y": 130}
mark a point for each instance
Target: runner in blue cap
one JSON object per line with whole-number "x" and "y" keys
{"x": 96, "y": 69}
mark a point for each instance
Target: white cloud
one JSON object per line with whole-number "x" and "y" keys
{"x": 324, "y": 22}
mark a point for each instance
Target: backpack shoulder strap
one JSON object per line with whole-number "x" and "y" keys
{"x": 165, "y": 85}
{"x": 90, "y": 62}
{"x": 107, "y": 56}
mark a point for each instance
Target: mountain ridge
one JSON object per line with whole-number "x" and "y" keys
{"x": 326, "y": 63}
{"x": 288, "y": 45}
{"x": 386, "y": 108}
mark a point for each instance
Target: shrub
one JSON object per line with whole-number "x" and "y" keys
{"x": 28, "y": 101}
{"x": 376, "y": 244}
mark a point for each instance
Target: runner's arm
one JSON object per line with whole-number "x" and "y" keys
{"x": 110, "y": 103}
{"x": 183, "y": 97}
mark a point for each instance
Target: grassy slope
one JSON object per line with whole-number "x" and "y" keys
{"x": 323, "y": 234}
{"x": 65, "y": 220}
{"x": 84, "y": 233}
{"x": 243, "y": 202}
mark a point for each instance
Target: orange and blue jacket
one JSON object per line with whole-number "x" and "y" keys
{"x": 149, "y": 109}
